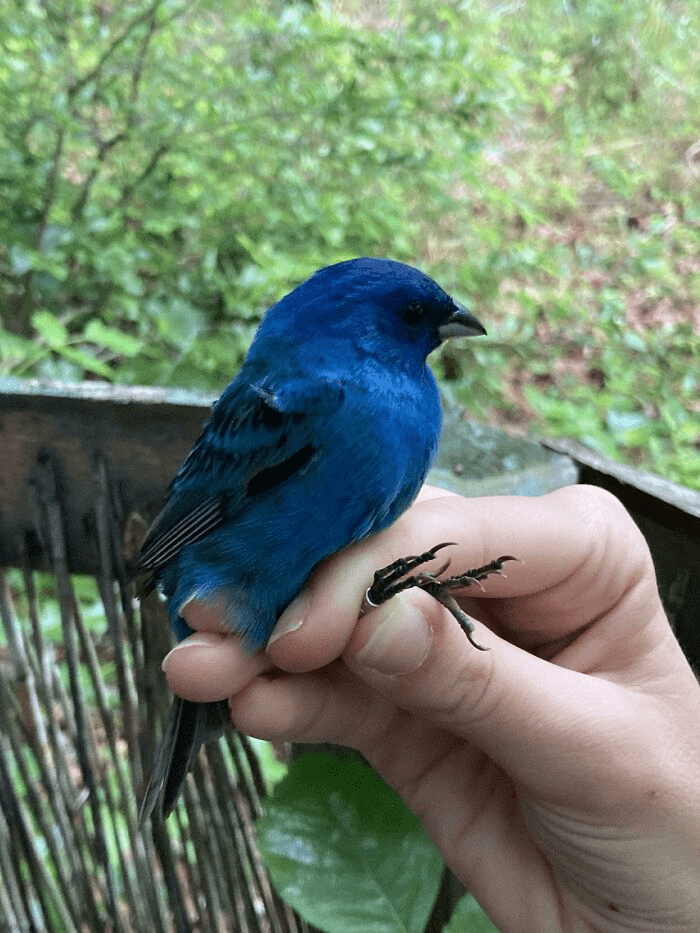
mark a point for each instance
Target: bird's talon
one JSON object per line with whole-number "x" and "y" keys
{"x": 388, "y": 580}
{"x": 393, "y": 579}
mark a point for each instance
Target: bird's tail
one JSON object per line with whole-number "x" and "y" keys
{"x": 188, "y": 726}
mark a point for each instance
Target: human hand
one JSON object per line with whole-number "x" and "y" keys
{"x": 557, "y": 772}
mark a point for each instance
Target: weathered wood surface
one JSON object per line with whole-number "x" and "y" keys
{"x": 648, "y": 490}
{"x": 138, "y": 436}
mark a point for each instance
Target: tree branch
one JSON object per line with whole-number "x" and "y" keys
{"x": 27, "y": 297}
{"x": 148, "y": 170}
{"x": 144, "y": 17}
{"x": 104, "y": 148}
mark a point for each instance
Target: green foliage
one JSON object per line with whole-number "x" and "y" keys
{"x": 343, "y": 850}
{"x": 581, "y": 243}
{"x": 168, "y": 171}
{"x": 468, "y": 917}
{"x": 169, "y": 168}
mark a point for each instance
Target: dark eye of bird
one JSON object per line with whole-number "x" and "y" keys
{"x": 414, "y": 313}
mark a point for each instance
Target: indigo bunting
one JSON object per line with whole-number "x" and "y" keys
{"x": 325, "y": 436}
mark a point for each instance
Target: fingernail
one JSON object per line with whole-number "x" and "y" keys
{"x": 198, "y": 640}
{"x": 399, "y": 641}
{"x": 292, "y": 618}
{"x": 185, "y": 603}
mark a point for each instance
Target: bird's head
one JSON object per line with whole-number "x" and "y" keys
{"x": 383, "y": 307}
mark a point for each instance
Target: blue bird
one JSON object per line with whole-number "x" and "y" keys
{"x": 325, "y": 436}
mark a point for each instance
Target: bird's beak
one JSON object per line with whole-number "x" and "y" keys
{"x": 461, "y": 323}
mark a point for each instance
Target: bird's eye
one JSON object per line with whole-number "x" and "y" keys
{"x": 413, "y": 314}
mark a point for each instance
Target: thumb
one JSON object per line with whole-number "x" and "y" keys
{"x": 531, "y": 717}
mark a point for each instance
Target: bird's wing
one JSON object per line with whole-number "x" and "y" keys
{"x": 258, "y": 436}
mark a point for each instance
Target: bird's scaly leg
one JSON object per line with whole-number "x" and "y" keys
{"x": 392, "y": 579}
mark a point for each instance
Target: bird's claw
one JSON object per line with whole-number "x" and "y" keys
{"x": 387, "y": 581}
{"x": 392, "y": 579}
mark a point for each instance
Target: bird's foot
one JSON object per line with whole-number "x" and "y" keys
{"x": 392, "y": 580}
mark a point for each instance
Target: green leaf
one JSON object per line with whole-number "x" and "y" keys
{"x": 180, "y": 323}
{"x": 345, "y": 852}
{"x": 17, "y": 352}
{"x": 468, "y": 917}
{"x": 87, "y": 362}
{"x": 111, "y": 338}
{"x": 52, "y": 331}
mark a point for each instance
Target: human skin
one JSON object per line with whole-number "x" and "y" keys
{"x": 557, "y": 772}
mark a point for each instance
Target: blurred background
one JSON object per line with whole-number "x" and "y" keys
{"x": 169, "y": 169}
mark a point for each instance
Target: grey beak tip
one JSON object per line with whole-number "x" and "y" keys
{"x": 462, "y": 323}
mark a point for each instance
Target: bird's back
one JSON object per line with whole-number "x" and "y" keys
{"x": 368, "y": 439}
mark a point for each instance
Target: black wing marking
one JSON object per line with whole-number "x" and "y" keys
{"x": 256, "y": 439}
{"x": 272, "y": 476}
